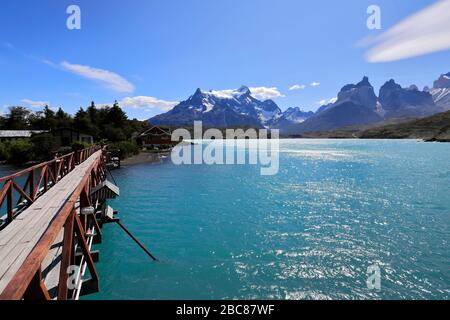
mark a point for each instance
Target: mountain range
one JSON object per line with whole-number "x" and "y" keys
{"x": 356, "y": 104}
{"x": 221, "y": 109}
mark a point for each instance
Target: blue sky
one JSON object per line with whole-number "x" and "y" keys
{"x": 151, "y": 54}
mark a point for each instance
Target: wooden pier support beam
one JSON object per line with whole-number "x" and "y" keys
{"x": 36, "y": 290}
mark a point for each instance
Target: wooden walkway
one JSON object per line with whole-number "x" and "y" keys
{"x": 20, "y": 237}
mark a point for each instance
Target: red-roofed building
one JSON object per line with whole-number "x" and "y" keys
{"x": 155, "y": 137}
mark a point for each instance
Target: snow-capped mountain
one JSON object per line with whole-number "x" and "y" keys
{"x": 441, "y": 92}
{"x": 287, "y": 121}
{"x": 356, "y": 104}
{"x": 295, "y": 115}
{"x": 442, "y": 82}
{"x": 227, "y": 108}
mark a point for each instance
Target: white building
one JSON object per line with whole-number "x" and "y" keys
{"x": 14, "y": 135}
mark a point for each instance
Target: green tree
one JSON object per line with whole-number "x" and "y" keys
{"x": 21, "y": 152}
{"x": 63, "y": 119}
{"x": 116, "y": 116}
{"x": 4, "y": 150}
{"x": 83, "y": 123}
{"x": 43, "y": 146}
{"x": 17, "y": 119}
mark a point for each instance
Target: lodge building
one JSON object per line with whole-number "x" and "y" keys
{"x": 155, "y": 137}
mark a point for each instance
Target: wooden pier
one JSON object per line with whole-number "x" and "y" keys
{"x": 50, "y": 226}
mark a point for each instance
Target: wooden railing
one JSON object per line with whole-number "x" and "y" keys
{"x": 38, "y": 180}
{"x": 78, "y": 229}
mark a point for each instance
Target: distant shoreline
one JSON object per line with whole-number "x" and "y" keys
{"x": 145, "y": 157}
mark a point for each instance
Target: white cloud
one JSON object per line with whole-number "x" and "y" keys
{"x": 315, "y": 84}
{"x": 265, "y": 92}
{"x": 425, "y": 32}
{"x": 225, "y": 94}
{"x": 35, "y": 104}
{"x": 326, "y": 101}
{"x": 47, "y": 62}
{"x": 297, "y": 87}
{"x": 110, "y": 79}
{"x": 145, "y": 103}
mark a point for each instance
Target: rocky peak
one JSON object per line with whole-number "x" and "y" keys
{"x": 443, "y": 82}
{"x": 198, "y": 92}
{"x": 390, "y": 85}
{"x": 398, "y": 101}
{"x": 361, "y": 93}
{"x": 244, "y": 90}
{"x": 364, "y": 82}
{"x": 270, "y": 105}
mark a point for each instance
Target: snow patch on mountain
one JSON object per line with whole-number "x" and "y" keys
{"x": 441, "y": 97}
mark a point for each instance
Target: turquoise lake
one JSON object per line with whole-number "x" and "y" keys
{"x": 335, "y": 208}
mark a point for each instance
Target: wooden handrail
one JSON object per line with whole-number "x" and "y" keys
{"x": 67, "y": 216}
{"x": 49, "y": 173}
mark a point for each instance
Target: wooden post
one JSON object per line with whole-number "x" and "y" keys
{"x": 37, "y": 290}
{"x": 66, "y": 257}
{"x": 10, "y": 205}
{"x": 32, "y": 184}
{"x": 46, "y": 178}
{"x": 85, "y": 201}
{"x": 84, "y": 248}
{"x": 55, "y": 171}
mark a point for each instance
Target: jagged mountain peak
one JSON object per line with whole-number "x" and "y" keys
{"x": 244, "y": 90}
{"x": 288, "y": 121}
{"x": 298, "y": 112}
{"x": 221, "y": 108}
{"x": 293, "y": 109}
{"x": 270, "y": 105}
{"x": 361, "y": 93}
{"x": 404, "y": 102}
{"x": 441, "y": 91}
{"x": 443, "y": 82}
{"x": 390, "y": 85}
{"x": 364, "y": 82}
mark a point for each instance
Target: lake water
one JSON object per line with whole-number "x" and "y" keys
{"x": 335, "y": 208}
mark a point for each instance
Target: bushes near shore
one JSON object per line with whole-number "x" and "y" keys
{"x": 43, "y": 148}
{"x": 108, "y": 124}
{"x": 124, "y": 149}
{"x": 37, "y": 149}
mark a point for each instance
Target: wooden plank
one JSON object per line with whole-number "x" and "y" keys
{"x": 52, "y": 265}
{"x": 24, "y": 250}
{"x": 19, "y": 232}
{"x": 14, "y": 250}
